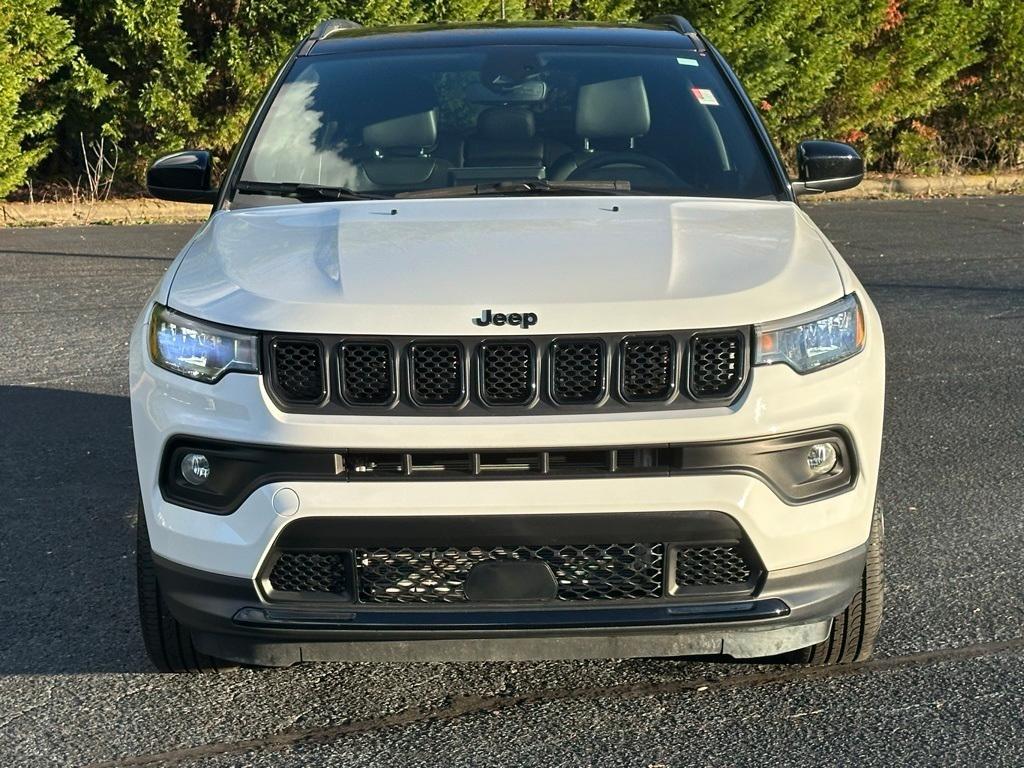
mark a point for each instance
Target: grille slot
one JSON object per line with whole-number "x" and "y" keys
{"x": 438, "y": 373}
{"x": 441, "y": 464}
{"x": 311, "y": 572}
{"x": 698, "y": 568}
{"x": 437, "y": 575}
{"x": 299, "y": 371}
{"x": 510, "y": 462}
{"x": 597, "y": 461}
{"x": 577, "y": 371}
{"x": 367, "y": 373}
{"x": 509, "y": 373}
{"x": 716, "y": 364}
{"x": 648, "y": 368}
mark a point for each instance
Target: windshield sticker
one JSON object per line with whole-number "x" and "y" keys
{"x": 705, "y": 96}
{"x": 688, "y": 62}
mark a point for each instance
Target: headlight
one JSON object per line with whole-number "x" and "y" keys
{"x": 815, "y": 340}
{"x": 199, "y": 350}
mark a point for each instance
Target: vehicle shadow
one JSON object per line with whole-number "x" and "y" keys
{"x": 67, "y": 473}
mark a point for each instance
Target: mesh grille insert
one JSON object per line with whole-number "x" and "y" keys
{"x": 711, "y": 566}
{"x": 647, "y": 368}
{"x": 583, "y": 572}
{"x": 715, "y": 368}
{"x": 437, "y": 374}
{"x": 508, "y": 373}
{"x": 367, "y": 373}
{"x": 310, "y": 572}
{"x": 299, "y": 370}
{"x": 578, "y": 371}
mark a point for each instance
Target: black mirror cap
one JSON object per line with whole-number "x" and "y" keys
{"x": 183, "y": 177}
{"x": 827, "y": 166}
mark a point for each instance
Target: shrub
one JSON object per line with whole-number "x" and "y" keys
{"x": 34, "y": 44}
{"x": 916, "y": 84}
{"x": 179, "y": 73}
{"x": 983, "y": 124}
{"x": 906, "y": 72}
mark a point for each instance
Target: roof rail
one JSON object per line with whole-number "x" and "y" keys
{"x": 325, "y": 29}
{"x": 680, "y": 25}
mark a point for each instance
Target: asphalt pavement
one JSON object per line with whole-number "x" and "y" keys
{"x": 947, "y": 685}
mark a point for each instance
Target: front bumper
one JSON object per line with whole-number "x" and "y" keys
{"x": 812, "y": 553}
{"x": 230, "y": 620}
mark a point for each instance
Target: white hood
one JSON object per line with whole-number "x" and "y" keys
{"x": 581, "y": 264}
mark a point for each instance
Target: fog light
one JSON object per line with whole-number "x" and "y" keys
{"x": 195, "y": 468}
{"x": 822, "y": 458}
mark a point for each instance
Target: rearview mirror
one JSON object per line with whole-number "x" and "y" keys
{"x": 827, "y": 166}
{"x": 183, "y": 177}
{"x": 530, "y": 92}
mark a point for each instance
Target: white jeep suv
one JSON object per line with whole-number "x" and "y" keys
{"x": 507, "y": 341}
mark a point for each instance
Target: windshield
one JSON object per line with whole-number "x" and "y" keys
{"x": 458, "y": 120}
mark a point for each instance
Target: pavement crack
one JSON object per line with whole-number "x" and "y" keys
{"x": 473, "y": 704}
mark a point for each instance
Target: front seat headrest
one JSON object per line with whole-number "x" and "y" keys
{"x": 505, "y": 124}
{"x": 614, "y": 109}
{"x": 417, "y": 131}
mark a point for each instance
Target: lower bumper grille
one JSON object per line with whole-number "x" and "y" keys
{"x": 582, "y": 572}
{"x": 311, "y": 572}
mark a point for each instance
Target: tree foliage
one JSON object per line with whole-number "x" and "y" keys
{"x": 35, "y": 44}
{"x": 916, "y": 84}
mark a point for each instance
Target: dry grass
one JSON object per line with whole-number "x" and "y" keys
{"x": 69, "y": 213}
{"x": 78, "y": 211}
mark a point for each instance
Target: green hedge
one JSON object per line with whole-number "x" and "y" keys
{"x": 35, "y": 44}
{"x": 918, "y": 85}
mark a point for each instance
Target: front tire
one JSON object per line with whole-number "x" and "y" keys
{"x": 168, "y": 643}
{"x": 853, "y": 634}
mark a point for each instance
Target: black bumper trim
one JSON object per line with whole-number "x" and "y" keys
{"x": 536, "y": 618}
{"x": 237, "y": 470}
{"x": 332, "y": 533}
{"x": 813, "y": 593}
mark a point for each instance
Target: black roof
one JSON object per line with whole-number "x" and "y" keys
{"x": 501, "y": 33}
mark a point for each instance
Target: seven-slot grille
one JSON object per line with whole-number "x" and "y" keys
{"x": 607, "y": 372}
{"x": 583, "y": 572}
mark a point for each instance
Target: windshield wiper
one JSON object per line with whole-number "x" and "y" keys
{"x": 529, "y": 187}
{"x": 307, "y": 193}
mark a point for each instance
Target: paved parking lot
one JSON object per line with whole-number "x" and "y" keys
{"x": 947, "y": 688}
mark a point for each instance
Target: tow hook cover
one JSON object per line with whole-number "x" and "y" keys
{"x": 510, "y": 580}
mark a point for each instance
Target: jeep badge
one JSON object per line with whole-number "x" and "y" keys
{"x": 523, "y": 319}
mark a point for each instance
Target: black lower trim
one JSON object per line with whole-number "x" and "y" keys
{"x": 330, "y": 533}
{"x": 229, "y": 620}
{"x": 533, "y": 618}
{"x": 236, "y": 470}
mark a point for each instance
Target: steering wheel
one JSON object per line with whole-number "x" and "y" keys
{"x": 606, "y": 159}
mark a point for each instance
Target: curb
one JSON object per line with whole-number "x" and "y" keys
{"x": 877, "y": 186}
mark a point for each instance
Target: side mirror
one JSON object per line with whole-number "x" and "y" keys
{"x": 183, "y": 177}
{"x": 827, "y": 166}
